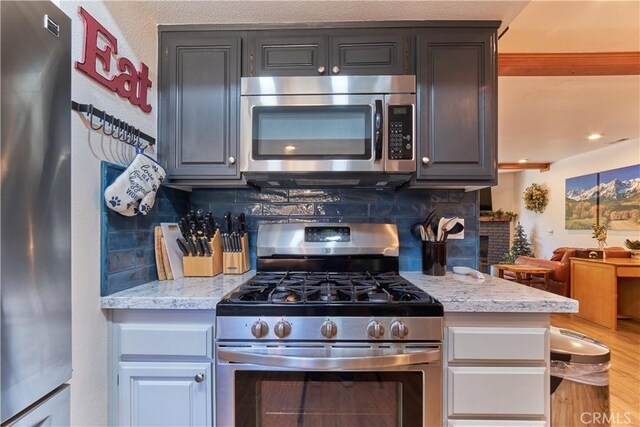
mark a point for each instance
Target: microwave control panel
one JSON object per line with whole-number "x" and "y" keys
{"x": 400, "y": 132}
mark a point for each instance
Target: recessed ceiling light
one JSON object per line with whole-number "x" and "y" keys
{"x": 523, "y": 160}
{"x": 594, "y": 136}
{"x": 289, "y": 148}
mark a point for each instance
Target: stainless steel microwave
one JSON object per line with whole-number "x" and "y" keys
{"x": 336, "y": 125}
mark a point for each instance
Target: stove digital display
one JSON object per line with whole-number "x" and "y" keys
{"x": 327, "y": 234}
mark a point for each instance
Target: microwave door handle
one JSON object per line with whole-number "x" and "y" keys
{"x": 378, "y": 127}
{"x": 326, "y": 363}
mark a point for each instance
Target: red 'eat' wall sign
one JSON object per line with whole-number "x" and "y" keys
{"x": 130, "y": 83}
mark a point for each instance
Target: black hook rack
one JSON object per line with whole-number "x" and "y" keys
{"x": 118, "y": 129}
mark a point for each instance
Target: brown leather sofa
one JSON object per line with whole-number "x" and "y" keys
{"x": 560, "y": 263}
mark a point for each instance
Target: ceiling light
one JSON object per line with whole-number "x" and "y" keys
{"x": 594, "y": 136}
{"x": 290, "y": 148}
{"x": 523, "y": 160}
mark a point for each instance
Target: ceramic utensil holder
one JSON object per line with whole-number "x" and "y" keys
{"x": 238, "y": 262}
{"x": 205, "y": 266}
{"x": 434, "y": 258}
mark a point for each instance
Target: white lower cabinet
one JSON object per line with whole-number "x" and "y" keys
{"x": 165, "y": 394}
{"x": 161, "y": 368}
{"x": 497, "y": 370}
{"x": 504, "y": 391}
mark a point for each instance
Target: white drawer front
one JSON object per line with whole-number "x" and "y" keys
{"x": 166, "y": 340}
{"x": 484, "y": 343}
{"x": 501, "y": 391}
{"x": 495, "y": 423}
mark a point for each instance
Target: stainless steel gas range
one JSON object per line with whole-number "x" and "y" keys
{"x": 328, "y": 334}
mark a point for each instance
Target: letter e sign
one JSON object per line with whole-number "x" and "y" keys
{"x": 130, "y": 83}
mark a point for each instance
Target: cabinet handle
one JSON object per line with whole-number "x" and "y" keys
{"x": 232, "y": 160}
{"x": 321, "y": 69}
{"x": 199, "y": 378}
{"x": 335, "y": 69}
{"x": 425, "y": 160}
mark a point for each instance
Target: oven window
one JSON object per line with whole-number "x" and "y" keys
{"x": 306, "y": 132}
{"x": 354, "y": 399}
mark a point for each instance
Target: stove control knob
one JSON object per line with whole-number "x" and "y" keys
{"x": 282, "y": 329}
{"x": 329, "y": 329}
{"x": 375, "y": 329}
{"x": 259, "y": 329}
{"x": 399, "y": 329}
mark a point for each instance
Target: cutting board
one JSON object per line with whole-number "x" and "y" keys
{"x": 171, "y": 232}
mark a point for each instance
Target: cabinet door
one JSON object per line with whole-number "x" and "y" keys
{"x": 199, "y": 107}
{"x": 290, "y": 53}
{"x": 165, "y": 394}
{"x": 370, "y": 52}
{"x": 457, "y": 81}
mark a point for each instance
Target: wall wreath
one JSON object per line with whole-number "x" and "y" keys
{"x": 535, "y": 198}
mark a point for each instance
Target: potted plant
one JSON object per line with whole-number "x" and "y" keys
{"x": 634, "y": 247}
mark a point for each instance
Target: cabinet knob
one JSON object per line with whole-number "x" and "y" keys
{"x": 321, "y": 69}
{"x": 199, "y": 378}
{"x": 335, "y": 69}
{"x": 232, "y": 160}
{"x": 425, "y": 160}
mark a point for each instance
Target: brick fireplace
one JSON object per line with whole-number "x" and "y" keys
{"x": 494, "y": 241}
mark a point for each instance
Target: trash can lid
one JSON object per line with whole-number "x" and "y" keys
{"x": 572, "y": 346}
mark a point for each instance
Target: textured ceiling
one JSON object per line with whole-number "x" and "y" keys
{"x": 301, "y": 11}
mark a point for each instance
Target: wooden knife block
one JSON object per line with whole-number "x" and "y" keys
{"x": 238, "y": 262}
{"x": 205, "y": 266}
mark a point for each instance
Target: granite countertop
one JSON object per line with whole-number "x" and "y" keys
{"x": 456, "y": 293}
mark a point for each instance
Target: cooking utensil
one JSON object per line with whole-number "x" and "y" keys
{"x": 439, "y": 230}
{"x": 192, "y": 247}
{"x": 242, "y": 224}
{"x": 227, "y": 222}
{"x": 427, "y": 221}
{"x": 423, "y": 233}
{"x": 457, "y": 228}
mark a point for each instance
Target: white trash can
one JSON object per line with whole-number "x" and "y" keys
{"x": 579, "y": 380}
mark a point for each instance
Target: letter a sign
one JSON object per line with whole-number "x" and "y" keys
{"x": 130, "y": 83}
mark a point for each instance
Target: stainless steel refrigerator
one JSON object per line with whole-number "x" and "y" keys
{"x": 35, "y": 212}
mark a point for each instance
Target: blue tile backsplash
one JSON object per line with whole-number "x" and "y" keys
{"x": 127, "y": 243}
{"x": 127, "y": 255}
{"x": 404, "y": 208}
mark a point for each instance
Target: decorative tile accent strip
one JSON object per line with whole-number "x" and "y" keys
{"x": 127, "y": 255}
{"x": 404, "y": 208}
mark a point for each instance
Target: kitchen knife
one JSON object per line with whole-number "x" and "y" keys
{"x": 192, "y": 247}
{"x": 242, "y": 224}
{"x": 182, "y": 244}
{"x": 183, "y": 225}
{"x": 211, "y": 224}
{"x": 205, "y": 246}
{"x": 199, "y": 246}
{"x": 227, "y": 222}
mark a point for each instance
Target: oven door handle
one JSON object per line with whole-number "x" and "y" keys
{"x": 327, "y": 363}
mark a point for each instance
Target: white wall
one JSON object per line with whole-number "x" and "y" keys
{"x": 502, "y": 194}
{"x": 537, "y": 226}
{"x": 137, "y": 40}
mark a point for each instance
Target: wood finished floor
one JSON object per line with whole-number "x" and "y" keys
{"x": 624, "y": 379}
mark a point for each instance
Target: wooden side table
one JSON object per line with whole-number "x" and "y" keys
{"x": 524, "y": 272}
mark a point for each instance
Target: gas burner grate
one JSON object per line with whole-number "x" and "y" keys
{"x": 328, "y": 288}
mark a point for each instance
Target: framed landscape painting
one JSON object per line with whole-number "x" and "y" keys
{"x": 619, "y": 198}
{"x": 581, "y": 202}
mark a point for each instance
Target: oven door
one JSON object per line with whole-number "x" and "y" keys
{"x": 312, "y": 133}
{"x": 328, "y": 385}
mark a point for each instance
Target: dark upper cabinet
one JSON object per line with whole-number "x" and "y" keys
{"x": 199, "y": 104}
{"x": 457, "y": 105}
{"x": 338, "y": 52}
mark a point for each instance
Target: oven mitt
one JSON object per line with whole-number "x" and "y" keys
{"x": 134, "y": 191}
